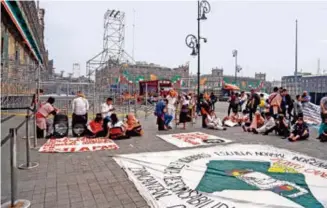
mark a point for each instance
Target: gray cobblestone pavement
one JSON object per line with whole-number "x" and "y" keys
{"x": 93, "y": 179}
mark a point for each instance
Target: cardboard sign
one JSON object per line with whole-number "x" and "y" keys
{"x": 81, "y": 144}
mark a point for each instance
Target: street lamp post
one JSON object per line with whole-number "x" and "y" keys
{"x": 237, "y": 67}
{"x": 194, "y": 42}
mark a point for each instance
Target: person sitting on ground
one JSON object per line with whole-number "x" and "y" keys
{"x": 300, "y": 130}
{"x": 213, "y": 122}
{"x": 268, "y": 125}
{"x": 281, "y": 127}
{"x": 244, "y": 119}
{"x": 257, "y": 122}
{"x": 323, "y": 131}
{"x": 231, "y": 120}
{"x": 134, "y": 127}
{"x": 95, "y": 127}
{"x": 114, "y": 123}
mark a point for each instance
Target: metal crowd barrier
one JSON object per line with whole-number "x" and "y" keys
{"x": 12, "y": 136}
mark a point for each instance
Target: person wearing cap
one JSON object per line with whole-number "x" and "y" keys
{"x": 300, "y": 130}
{"x": 268, "y": 125}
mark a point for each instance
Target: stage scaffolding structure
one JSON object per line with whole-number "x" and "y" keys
{"x": 99, "y": 69}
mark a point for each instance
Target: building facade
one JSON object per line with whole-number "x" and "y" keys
{"x": 217, "y": 79}
{"x": 315, "y": 85}
{"x": 22, "y": 46}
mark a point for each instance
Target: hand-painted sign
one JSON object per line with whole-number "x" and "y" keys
{"x": 82, "y": 144}
{"x": 192, "y": 139}
{"x": 229, "y": 176}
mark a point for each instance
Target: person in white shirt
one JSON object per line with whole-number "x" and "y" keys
{"x": 213, "y": 122}
{"x": 243, "y": 101}
{"x": 267, "y": 126}
{"x": 171, "y": 105}
{"x": 106, "y": 110}
{"x": 115, "y": 122}
{"x": 80, "y": 107}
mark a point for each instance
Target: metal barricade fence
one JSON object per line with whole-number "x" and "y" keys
{"x": 12, "y": 136}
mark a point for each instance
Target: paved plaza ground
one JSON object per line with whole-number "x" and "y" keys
{"x": 93, "y": 179}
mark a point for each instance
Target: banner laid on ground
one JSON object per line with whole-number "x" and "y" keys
{"x": 192, "y": 139}
{"x": 311, "y": 113}
{"x": 229, "y": 176}
{"x": 81, "y": 144}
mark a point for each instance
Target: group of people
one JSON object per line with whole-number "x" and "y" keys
{"x": 279, "y": 113}
{"x": 105, "y": 124}
{"x": 181, "y": 108}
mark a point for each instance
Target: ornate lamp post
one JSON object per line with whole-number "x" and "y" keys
{"x": 194, "y": 42}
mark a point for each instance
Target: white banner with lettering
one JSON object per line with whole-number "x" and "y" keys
{"x": 192, "y": 139}
{"x": 81, "y": 144}
{"x": 229, "y": 176}
{"x": 311, "y": 113}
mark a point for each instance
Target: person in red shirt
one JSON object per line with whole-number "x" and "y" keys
{"x": 95, "y": 127}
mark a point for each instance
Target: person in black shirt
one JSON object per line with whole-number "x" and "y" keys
{"x": 253, "y": 103}
{"x": 300, "y": 132}
{"x": 213, "y": 99}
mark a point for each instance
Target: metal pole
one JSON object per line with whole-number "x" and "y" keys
{"x": 13, "y": 159}
{"x": 198, "y": 47}
{"x": 37, "y": 97}
{"x": 28, "y": 164}
{"x": 235, "y": 68}
{"x": 296, "y": 87}
{"x": 146, "y": 99}
{"x": 13, "y": 175}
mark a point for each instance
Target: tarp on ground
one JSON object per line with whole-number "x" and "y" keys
{"x": 228, "y": 176}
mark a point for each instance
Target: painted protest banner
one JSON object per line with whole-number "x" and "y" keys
{"x": 311, "y": 113}
{"x": 81, "y": 144}
{"x": 229, "y": 176}
{"x": 192, "y": 139}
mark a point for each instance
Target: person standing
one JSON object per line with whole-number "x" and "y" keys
{"x": 106, "y": 110}
{"x": 184, "y": 115}
{"x": 297, "y": 111}
{"x": 80, "y": 107}
{"x": 36, "y": 100}
{"x": 213, "y": 99}
{"x": 275, "y": 100}
{"x": 243, "y": 101}
{"x": 323, "y": 108}
{"x": 253, "y": 103}
{"x": 231, "y": 101}
{"x": 171, "y": 105}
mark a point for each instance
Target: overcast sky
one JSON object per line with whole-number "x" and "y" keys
{"x": 263, "y": 32}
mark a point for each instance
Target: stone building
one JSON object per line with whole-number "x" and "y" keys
{"x": 22, "y": 46}
{"x": 216, "y": 79}
{"x": 316, "y": 85}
